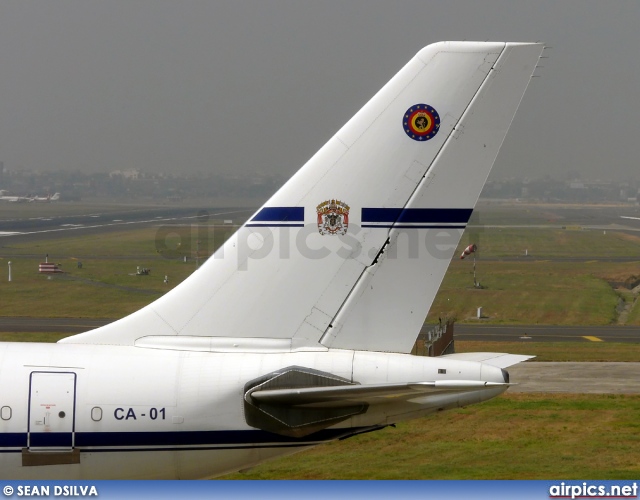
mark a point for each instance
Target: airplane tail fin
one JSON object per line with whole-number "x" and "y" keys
{"x": 351, "y": 251}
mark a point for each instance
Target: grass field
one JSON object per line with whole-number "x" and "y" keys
{"x": 532, "y": 292}
{"x": 551, "y": 242}
{"x": 107, "y": 285}
{"x": 571, "y": 281}
{"x": 31, "y": 336}
{"x": 520, "y": 291}
{"x": 29, "y": 210}
{"x": 515, "y": 436}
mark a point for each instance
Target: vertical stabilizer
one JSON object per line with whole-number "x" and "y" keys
{"x": 351, "y": 251}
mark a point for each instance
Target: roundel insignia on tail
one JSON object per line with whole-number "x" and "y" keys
{"x": 421, "y": 122}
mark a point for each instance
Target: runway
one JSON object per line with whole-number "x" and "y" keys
{"x": 547, "y": 333}
{"x": 49, "y": 325}
{"x": 29, "y": 229}
{"x": 576, "y": 378}
{"x": 501, "y": 214}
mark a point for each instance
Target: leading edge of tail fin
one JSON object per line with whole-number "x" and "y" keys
{"x": 351, "y": 251}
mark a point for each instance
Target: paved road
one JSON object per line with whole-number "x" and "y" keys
{"x": 621, "y": 217}
{"x": 20, "y": 230}
{"x": 578, "y": 378}
{"x": 543, "y": 333}
{"x": 45, "y": 325}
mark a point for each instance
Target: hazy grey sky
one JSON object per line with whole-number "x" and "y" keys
{"x": 259, "y": 86}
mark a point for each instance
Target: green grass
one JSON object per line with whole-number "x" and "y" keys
{"x": 106, "y": 286}
{"x": 494, "y": 214}
{"x": 75, "y": 294}
{"x": 31, "y": 336}
{"x": 516, "y": 436}
{"x": 634, "y": 314}
{"x": 162, "y": 241}
{"x": 522, "y": 292}
{"x": 533, "y": 292}
{"x": 551, "y": 243}
{"x": 519, "y": 291}
{"x": 28, "y": 210}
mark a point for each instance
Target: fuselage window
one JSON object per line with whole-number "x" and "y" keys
{"x": 96, "y": 414}
{"x": 5, "y": 413}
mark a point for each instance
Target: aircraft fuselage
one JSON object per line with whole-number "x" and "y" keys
{"x": 102, "y": 412}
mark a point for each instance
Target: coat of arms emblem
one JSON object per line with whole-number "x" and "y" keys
{"x": 333, "y": 217}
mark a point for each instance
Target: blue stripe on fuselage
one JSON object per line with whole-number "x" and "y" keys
{"x": 109, "y": 441}
{"x": 416, "y": 215}
{"x": 280, "y": 214}
{"x": 371, "y": 217}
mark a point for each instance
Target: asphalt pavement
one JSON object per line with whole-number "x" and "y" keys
{"x": 50, "y": 325}
{"x": 577, "y": 378}
{"x": 23, "y": 229}
{"x": 546, "y": 333}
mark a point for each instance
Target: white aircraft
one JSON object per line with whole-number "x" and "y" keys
{"x": 14, "y": 199}
{"x": 46, "y": 199}
{"x": 297, "y": 330}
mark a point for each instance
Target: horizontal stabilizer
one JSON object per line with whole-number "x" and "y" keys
{"x": 297, "y": 401}
{"x": 499, "y": 359}
{"x": 367, "y": 394}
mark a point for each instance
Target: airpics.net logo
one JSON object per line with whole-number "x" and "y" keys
{"x": 215, "y": 238}
{"x": 257, "y": 243}
{"x": 586, "y": 490}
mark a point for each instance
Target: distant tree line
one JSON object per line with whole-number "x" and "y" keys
{"x": 137, "y": 185}
{"x": 128, "y": 185}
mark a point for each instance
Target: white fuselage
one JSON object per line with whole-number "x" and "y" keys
{"x": 138, "y": 413}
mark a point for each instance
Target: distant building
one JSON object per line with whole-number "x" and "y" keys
{"x": 133, "y": 174}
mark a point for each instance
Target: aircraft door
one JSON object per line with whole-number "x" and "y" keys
{"x": 52, "y": 400}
